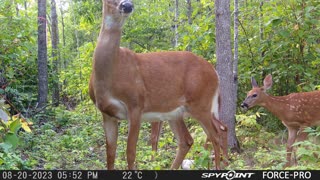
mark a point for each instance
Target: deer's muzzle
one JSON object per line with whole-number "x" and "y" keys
{"x": 126, "y": 6}
{"x": 244, "y": 106}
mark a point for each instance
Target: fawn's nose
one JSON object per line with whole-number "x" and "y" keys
{"x": 244, "y": 105}
{"x": 126, "y": 6}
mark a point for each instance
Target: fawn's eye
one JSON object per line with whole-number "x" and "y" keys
{"x": 254, "y": 95}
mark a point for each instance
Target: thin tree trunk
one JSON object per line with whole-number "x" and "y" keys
{"x": 235, "y": 46}
{"x": 225, "y": 70}
{"x": 26, "y": 8}
{"x": 261, "y": 27}
{"x": 64, "y": 63}
{"x": 78, "y": 55}
{"x": 235, "y": 66}
{"x": 235, "y": 51}
{"x": 55, "y": 54}
{"x": 189, "y": 13}
{"x": 176, "y": 20}
{"x": 17, "y": 10}
{"x": 63, "y": 29}
{"x": 42, "y": 54}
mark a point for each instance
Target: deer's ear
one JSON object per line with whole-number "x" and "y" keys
{"x": 267, "y": 82}
{"x": 254, "y": 83}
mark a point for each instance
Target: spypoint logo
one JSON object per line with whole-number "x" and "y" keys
{"x": 228, "y": 175}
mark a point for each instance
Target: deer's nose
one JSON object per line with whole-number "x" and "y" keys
{"x": 244, "y": 105}
{"x": 126, "y": 6}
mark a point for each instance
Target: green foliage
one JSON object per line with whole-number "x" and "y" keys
{"x": 74, "y": 138}
{"x": 288, "y": 45}
{"x": 267, "y": 150}
{"x": 308, "y": 151}
{"x": 18, "y": 55}
{"x": 10, "y": 139}
{"x": 248, "y": 128}
{"x": 287, "y": 48}
{"x": 282, "y": 39}
{"x": 200, "y": 35}
{"x": 145, "y": 29}
{"x": 204, "y": 158}
{"x": 78, "y": 75}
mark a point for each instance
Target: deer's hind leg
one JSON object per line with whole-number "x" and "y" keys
{"x": 155, "y": 133}
{"x": 184, "y": 139}
{"x": 292, "y": 134}
{"x": 206, "y": 122}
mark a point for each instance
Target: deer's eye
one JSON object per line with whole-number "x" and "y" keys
{"x": 254, "y": 95}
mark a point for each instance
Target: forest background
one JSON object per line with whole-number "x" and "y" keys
{"x": 62, "y": 129}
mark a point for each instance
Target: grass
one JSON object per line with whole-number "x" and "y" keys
{"x": 74, "y": 140}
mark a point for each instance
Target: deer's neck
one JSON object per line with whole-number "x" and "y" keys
{"x": 106, "y": 55}
{"x": 276, "y": 105}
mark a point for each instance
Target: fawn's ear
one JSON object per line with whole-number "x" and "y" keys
{"x": 267, "y": 82}
{"x": 254, "y": 83}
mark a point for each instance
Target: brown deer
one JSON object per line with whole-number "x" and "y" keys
{"x": 296, "y": 111}
{"x": 222, "y": 133}
{"x": 161, "y": 86}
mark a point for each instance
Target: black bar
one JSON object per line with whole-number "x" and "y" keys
{"x": 159, "y": 174}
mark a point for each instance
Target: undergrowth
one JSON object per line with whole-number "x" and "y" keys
{"x": 62, "y": 139}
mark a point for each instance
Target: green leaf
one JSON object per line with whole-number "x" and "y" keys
{"x": 5, "y": 146}
{"x": 274, "y": 22}
{"x": 15, "y": 125}
{"x": 11, "y": 139}
{"x": 285, "y": 33}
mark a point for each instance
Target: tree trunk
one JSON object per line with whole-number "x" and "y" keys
{"x": 189, "y": 13}
{"x": 42, "y": 54}
{"x": 78, "y": 54}
{"x": 235, "y": 50}
{"x": 63, "y": 31}
{"x": 225, "y": 70}
{"x": 26, "y": 8}
{"x": 55, "y": 54}
{"x": 63, "y": 59}
{"x": 261, "y": 24}
{"x": 176, "y": 20}
{"x": 17, "y": 9}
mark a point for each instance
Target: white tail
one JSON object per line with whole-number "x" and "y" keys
{"x": 215, "y": 105}
{"x": 161, "y": 86}
{"x": 296, "y": 111}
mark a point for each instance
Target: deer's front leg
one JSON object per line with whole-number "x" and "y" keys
{"x": 110, "y": 127}
{"x": 292, "y": 134}
{"x": 133, "y": 134}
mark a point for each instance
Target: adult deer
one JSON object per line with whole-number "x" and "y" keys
{"x": 161, "y": 86}
{"x": 296, "y": 111}
{"x": 221, "y": 129}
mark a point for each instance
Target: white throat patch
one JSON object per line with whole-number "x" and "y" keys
{"x": 110, "y": 22}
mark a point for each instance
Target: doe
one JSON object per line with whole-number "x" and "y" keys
{"x": 157, "y": 86}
